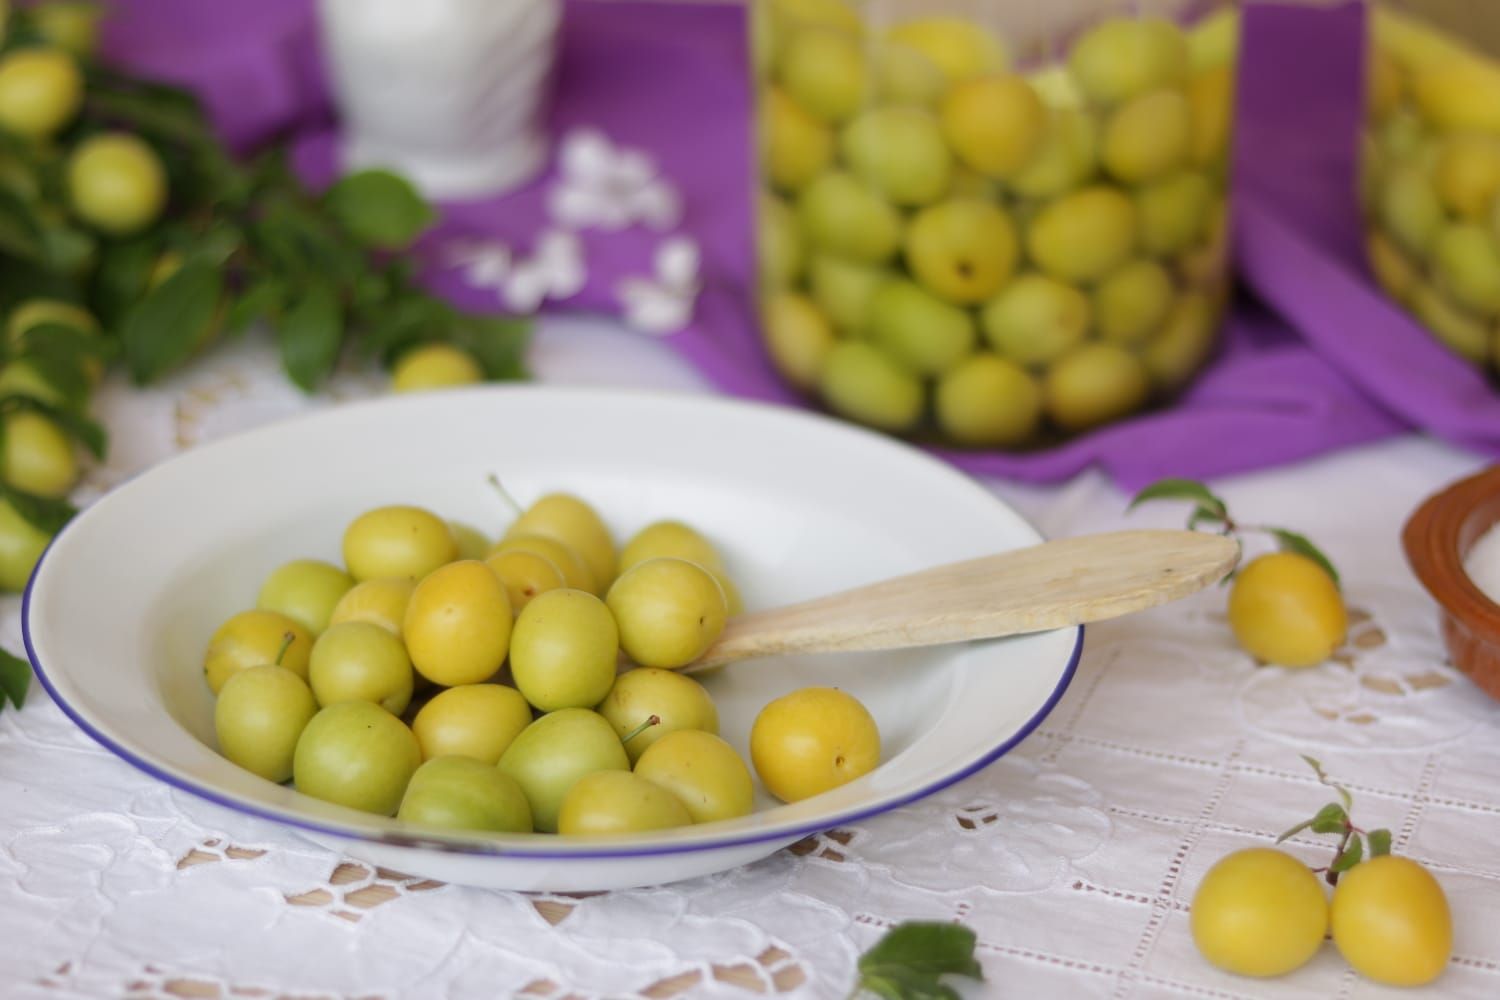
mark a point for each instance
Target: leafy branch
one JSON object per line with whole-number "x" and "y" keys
{"x": 1355, "y": 844}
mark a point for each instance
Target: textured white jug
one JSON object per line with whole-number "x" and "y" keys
{"x": 450, "y": 93}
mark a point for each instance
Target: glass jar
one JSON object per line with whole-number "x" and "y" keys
{"x": 1430, "y": 171}
{"x": 991, "y": 223}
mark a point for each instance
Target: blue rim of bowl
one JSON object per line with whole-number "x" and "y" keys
{"x": 473, "y": 847}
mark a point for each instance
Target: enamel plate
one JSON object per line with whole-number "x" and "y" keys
{"x": 121, "y": 607}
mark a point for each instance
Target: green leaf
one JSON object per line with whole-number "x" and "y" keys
{"x": 15, "y": 679}
{"x": 20, "y": 232}
{"x": 45, "y": 514}
{"x": 261, "y": 300}
{"x": 1380, "y": 842}
{"x": 1208, "y": 505}
{"x": 1289, "y": 834}
{"x": 1349, "y": 857}
{"x": 66, "y": 249}
{"x": 121, "y": 275}
{"x": 498, "y": 343}
{"x": 56, "y": 337}
{"x": 309, "y": 335}
{"x": 379, "y": 208}
{"x": 1332, "y": 818}
{"x": 1323, "y": 778}
{"x": 168, "y": 325}
{"x": 907, "y": 962}
{"x": 1290, "y": 541}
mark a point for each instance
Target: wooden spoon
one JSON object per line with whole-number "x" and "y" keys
{"x": 1057, "y": 584}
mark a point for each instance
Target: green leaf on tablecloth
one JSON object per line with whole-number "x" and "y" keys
{"x": 379, "y": 208}
{"x": 309, "y": 336}
{"x": 1207, "y": 506}
{"x": 169, "y": 323}
{"x": 1323, "y": 778}
{"x": 907, "y": 963}
{"x": 1348, "y": 857}
{"x": 1380, "y": 842}
{"x": 1291, "y": 541}
{"x": 15, "y": 679}
{"x": 1332, "y": 818}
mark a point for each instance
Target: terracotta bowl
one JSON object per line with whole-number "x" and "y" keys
{"x": 1437, "y": 537}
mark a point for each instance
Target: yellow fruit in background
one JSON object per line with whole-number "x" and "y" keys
{"x": 1462, "y": 333}
{"x": 1210, "y": 97}
{"x": 905, "y": 75}
{"x": 812, "y": 741}
{"x": 957, "y": 46}
{"x": 1409, "y": 209}
{"x": 789, "y": 14}
{"x": 794, "y": 146}
{"x": 1467, "y": 266}
{"x": 1285, "y": 609}
{"x": 919, "y": 330}
{"x": 1095, "y": 384}
{"x": 38, "y": 456}
{"x": 73, "y": 26}
{"x": 1133, "y": 302}
{"x": 962, "y": 250}
{"x": 1147, "y": 136}
{"x": 41, "y": 90}
{"x": 824, "y": 71}
{"x": 798, "y": 337}
{"x": 846, "y": 217}
{"x": 1259, "y": 912}
{"x": 471, "y": 720}
{"x": 900, "y": 153}
{"x": 994, "y": 123}
{"x": 573, "y": 522}
{"x": 1383, "y": 82}
{"x": 988, "y": 401}
{"x": 1463, "y": 94}
{"x": 842, "y": 290}
{"x": 1173, "y": 212}
{"x": 1124, "y": 57}
{"x": 1183, "y": 343}
{"x": 778, "y": 244}
{"x": 1390, "y": 920}
{"x": 864, "y": 384}
{"x": 379, "y": 602}
{"x": 525, "y": 574}
{"x": 1036, "y": 319}
{"x": 1083, "y": 236}
{"x": 1065, "y": 158}
{"x": 1214, "y": 41}
{"x": 560, "y": 556}
{"x": 435, "y": 366}
{"x": 1396, "y": 274}
{"x": 1466, "y": 174}
{"x": 116, "y": 183}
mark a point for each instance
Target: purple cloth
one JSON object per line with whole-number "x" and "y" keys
{"x": 1314, "y": 360}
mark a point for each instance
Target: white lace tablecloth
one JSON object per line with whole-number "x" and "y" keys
{"x": 1073, "y": 858}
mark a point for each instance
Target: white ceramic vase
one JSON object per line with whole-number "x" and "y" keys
{"x": 450, "y": 93}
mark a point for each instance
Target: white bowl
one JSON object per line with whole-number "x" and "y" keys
{"x": 122, "y": 605}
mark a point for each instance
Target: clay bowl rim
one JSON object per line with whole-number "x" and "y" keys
{"x": 1431, "y": 540}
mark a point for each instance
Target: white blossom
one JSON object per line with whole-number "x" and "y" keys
{"x": 663, "y": 303}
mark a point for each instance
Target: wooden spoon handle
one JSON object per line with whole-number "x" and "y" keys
{"x": 1057, "y": 584}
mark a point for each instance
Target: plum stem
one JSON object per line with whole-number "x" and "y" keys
{"x": 286, "y": 643}
{"x": 651, "y": 720}
{"x": 510, "y": 501}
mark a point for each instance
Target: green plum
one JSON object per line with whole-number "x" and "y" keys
{"x": 360, "y": 661}
{"x": 798, "y": 337}
{"x": 862, "y": 383}
{"x": 779, "y": 244}
{"x": 702, "y": 771}
{"x": 1147, "y": 136}
{"x": 919, "y": 329}
{"x": 795, "y": 147}
{"x": 989, "y": 401}
{"x": 380, "y": 602}
{"x": 905, "y": 76}
{"x": 356, "y": 754}
{"x": 1392, "y": 269}
{"x": 1133, "y": 301}
{"x": 458, "y": 624}
{"x": 552, "y": 753}
{"x": 472, "y": 543}
{"x": 564, "y": 650}
{"x": 995, "y": 124}
{"x": 525, "y": 574}
{"x": 22, "y": 378}
{"x": 670, "y": 538}
{"x": 1180, "y": 346}
{"x": 845, "y": 216}
{"x": 842, "y": 290}
{"x": 1067, "y": 157}
{"x": 1173, "y": 212}
{"x": 962, "y": 250}
{"x": 38, "y": 456}
{"x": 259, "y": 716}
{"x": 1083, "y": 236}
{"x": 1467, "y": 266}
{"x": 958, "y": 46}
{"x": 306, "y": 590}
{"x": 1125, "y": 57}
{"x": 250, "y": 639}
{"x": 676, "y": 700}
{"x": 825, "y": 71}
{"x": 471, "y": 720}
{"x": 461, "y": 793}
{"x": 669, "y": 612}
{"x": 1466, "y": 174}
{"x": 571, "y": 520}
{"x": 619, "y": 802}
{"x": 21, "y": 545}
{"x": 1210, "y": 97}
{"x": 397, "y": 541}
{"x": 1409, "y": 208}
{"x": 1403, "y": 138}
{"x": 898, "y": 152}
{"x": 1461, "y": 332}
{"x": 1095, "y": 384}
{"x": 560, "y": 556}
{"x": 1035, "y": 319}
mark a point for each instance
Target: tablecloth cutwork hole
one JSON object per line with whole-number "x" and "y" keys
{"x": 821, "y": 845}
{"x": 355, "y": 887}
{"x": 214, "y": 850}
{"x": 774, "y": 970}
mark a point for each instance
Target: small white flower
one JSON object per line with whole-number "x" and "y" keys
{"x": 663, "y": 303}
{"x": 554, "y": 270}
{"x": 603, "y": 186}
